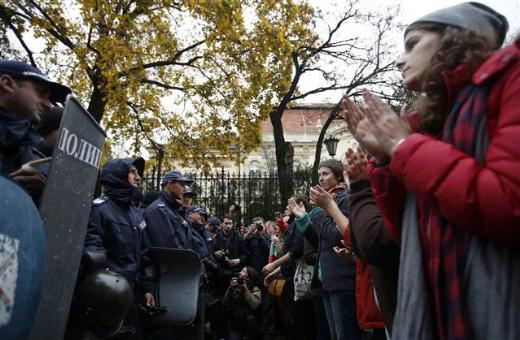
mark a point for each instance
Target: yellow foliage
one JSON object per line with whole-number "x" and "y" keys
{"x": 217, "y": 92}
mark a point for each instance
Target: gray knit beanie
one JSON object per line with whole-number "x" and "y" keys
{"x": 471, "y": 16}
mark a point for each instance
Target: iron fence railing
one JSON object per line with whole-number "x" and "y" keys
{"x": 243, "y": 196}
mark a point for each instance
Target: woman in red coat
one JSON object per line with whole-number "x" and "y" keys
{"x": 449, "y": 185}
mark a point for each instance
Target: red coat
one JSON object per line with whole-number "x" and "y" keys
{"x": 481, "y": 200}
{"x": 368, "y": 315}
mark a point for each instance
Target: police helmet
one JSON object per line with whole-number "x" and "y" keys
{"x": 104, "y": 299}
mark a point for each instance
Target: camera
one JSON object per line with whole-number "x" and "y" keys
{"x": 241, "y": 281}
{"x": 259, "y": 226}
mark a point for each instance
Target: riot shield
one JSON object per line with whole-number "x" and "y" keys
{"x": 178, "y": 288}
{"x": 22, "y": 254}
{"x": 65, "y": 209}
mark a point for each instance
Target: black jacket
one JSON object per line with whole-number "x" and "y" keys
{"x": 17, "y": 142}
{"x": 166, "y": 226}
{"x": 258, "y": 252}
{"x": 337, "y": 274}
{"x": 116, "y": 225}
{"x": 233, "y": 245}
{"x": 292, "y": 245}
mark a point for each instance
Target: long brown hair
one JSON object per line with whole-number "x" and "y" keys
{"x": 457, "y": 46}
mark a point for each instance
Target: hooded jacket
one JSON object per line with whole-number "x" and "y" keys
{"x": 116, "y": 225}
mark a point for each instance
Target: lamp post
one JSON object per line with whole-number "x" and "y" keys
{"x": 332, "y": 144}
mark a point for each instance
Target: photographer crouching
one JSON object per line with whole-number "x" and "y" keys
{"x": 242, "y": 299}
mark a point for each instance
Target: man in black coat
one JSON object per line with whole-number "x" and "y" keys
{"x": 230, "y": 248}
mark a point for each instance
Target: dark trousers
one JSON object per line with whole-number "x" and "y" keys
{"x": 322, "y": 325}
{"x": 268, "y": 313}
{"x": 340, "y": 308}
{"x": 299, "y": 315}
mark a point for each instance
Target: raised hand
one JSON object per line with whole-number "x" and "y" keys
{"x": 356, "y": 164}
{"x": 296, "y": 209}
{"x": 359, "y": 127}
{"x": 321, "y": 197}
{"x": 387, "y": 127}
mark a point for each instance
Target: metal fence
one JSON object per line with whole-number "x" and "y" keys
{"x": 243, "y": 196}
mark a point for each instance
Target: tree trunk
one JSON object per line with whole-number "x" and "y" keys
{"x": 284, "y": 168}
{"x": 96, "y": 106}
{"x": 319, "y": 144}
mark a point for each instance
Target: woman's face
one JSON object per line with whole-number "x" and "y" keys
{"x": 244, "y": 274}
{"x": 327, "y": 178}
{"x": 419, "y": 48}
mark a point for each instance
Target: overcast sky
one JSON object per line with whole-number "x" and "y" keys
{"x": 409, "y": 11}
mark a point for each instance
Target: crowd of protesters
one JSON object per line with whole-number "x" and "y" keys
{"x": 413, "y": 235}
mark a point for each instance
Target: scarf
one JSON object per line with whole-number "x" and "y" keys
{"x": 465, "y": 129}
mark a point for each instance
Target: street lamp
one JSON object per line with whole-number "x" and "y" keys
{"x": 332, "y": 144}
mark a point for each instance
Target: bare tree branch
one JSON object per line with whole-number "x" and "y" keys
{"x": 7, "y": 20}
{"x": 159, "y": 84}
{"x": 173, "y": 60}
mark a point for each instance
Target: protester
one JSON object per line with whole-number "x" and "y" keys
{"x": 256, "y": 244}
{"x": 230, "y": 248}
{"x": 300, "y": 314}
{"x": 242, "y": 299}
{"x": 368, "y": 315}
{"x": 446, "y": 184}
{"x": 369, "y": 237}
{"x": 337, "y": 278}
{"x": 115, "y": 236}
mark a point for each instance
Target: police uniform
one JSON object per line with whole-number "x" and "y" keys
{"x": 17, "y": 142}
{"x": 118, "y": 231}
{"x": 166, "y": 226}
{"x": 116, "y": 228}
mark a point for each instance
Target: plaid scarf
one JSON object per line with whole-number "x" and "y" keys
{"x": 465, "y": 128}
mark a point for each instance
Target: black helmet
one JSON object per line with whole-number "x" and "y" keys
{"x": 104, "y": 298}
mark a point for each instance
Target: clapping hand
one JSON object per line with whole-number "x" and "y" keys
{"x": 376, "y": 127}
{"x": 321, "y": 197}
{"x": 297, "y": 209}
{"x": 356, "y": 164}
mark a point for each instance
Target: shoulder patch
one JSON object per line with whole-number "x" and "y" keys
{"x": 142, "y": 225}
{"x": 161, "y": 204}
{"x": 100, "y": 200}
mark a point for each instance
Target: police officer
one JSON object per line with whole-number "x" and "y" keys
{"x": 188, "y": 196}
{"x": 116, "y": 230}
{"x": 166, "y": 225}
{"x": 203, "y": 240}
{"x": 25, "y": 94}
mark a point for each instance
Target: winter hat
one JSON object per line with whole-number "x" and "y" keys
{"x": 470, "y": 16}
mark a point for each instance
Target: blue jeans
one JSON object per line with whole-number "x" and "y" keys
{"x": 340, "y": 309}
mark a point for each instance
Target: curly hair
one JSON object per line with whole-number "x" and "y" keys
{"x": 457, "y": 46}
